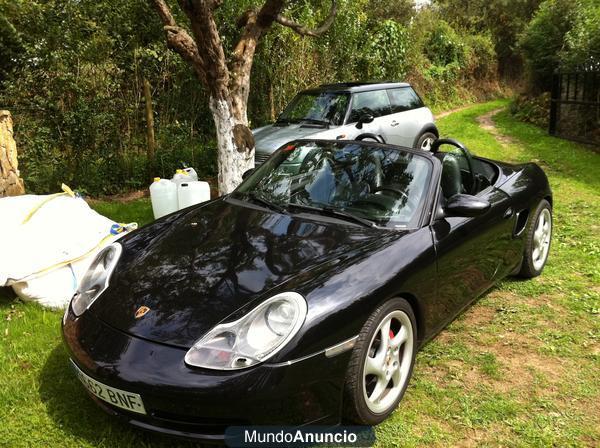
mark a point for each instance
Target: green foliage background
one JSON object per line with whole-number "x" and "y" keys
{"x": 563, "y": 35}
{"x": 71, "y": 72}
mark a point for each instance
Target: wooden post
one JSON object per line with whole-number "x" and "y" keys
{"x": 10, "y": 182}
{"x": 271, "y": 101}
{"x": 149, "y": 122}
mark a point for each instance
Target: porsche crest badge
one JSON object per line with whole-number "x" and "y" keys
{"x": 141, "y": 311}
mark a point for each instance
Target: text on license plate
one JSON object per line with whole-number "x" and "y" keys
{"x": 117, "y": 397}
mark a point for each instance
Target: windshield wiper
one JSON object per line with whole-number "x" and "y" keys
{"x": 336, "y": 213}
{"x": 286, "y": 121}
{"x": 261, "y": 200}
{"x": 315, "y": 121}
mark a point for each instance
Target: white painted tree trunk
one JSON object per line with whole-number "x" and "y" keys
{"x": 231, "y": 162}
{"x": 10, "y": 182}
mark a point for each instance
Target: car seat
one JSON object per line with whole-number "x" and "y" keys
{"x": 451, "y": 177}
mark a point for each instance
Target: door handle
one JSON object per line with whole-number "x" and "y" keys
{"x": 508, "y": 213}
{"x": 394, "y": 123}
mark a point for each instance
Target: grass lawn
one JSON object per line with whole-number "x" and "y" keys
{"x": 520, "y": 368}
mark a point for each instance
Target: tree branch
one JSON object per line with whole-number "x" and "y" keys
{"x": 164, "y": 12}
{"x": 179, "y": 40}
{"x": 206, "y": 36}
{"x": 255, "y": 24}
{"x": 303, "y": 30}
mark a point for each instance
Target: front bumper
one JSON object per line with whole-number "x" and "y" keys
{"x": 200, "y": 403}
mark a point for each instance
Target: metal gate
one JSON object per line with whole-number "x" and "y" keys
{"x": 575, "y": 106}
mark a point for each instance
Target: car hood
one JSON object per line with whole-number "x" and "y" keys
{"x": 195, "y": 268}
{"x": 269, "y": 138}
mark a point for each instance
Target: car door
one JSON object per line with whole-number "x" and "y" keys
{"x": 373, "y": 102}
{"x": 406, "y": 120}
{"x": 471, "y": 252}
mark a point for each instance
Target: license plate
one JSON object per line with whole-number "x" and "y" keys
{"x": 117, "y": 397}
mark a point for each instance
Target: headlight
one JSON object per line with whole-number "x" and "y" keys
{"x": 252, "y": 339}
{"x": 95, "y": 281}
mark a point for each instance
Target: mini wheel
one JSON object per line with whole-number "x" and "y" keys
{"x": 425, "y": 141}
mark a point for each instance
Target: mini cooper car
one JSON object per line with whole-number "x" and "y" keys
{"x": 303, "y": 296}
{"x": 382, "y": 112}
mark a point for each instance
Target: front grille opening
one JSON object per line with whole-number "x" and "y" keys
{"x": 521, "y": 222}
{"x": 206, "y": 424}
{"x": 196, "y": 420}
{"x": 260, "y": 157}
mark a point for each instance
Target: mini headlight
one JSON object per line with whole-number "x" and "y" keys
{"x": 95, "y": 281}
{"x": 252, "y": 339}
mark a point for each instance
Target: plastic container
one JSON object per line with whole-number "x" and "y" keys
{"x": 181, "y": 176}
{"x": 163, "y": 194}
{"x": 192, "y": 173}
{"x": 192, "y": 193}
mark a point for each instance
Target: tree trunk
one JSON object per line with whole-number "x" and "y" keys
{"x": 234, "y": 157}
{"x": 10, "y": 182}
{"x": 227, "y": 79}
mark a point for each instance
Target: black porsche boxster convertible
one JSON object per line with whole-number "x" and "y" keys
{"x": 303, "y": 296}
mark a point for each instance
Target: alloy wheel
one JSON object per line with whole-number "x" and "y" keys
{"x": 541, "y": 239}
{"x": 426, "y": 144}
{"x": 387, "y": 365}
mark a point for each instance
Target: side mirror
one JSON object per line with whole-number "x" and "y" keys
{"x": 247, "y": 173}
{"x": 465, "y": 205}
{"x": 365, "y": 118}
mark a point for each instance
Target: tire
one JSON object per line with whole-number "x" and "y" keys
{"x": 537, "y": 240}
{"x": 396, "y": 366}
{"x": 370, "y": 138}
{"x": 425, "y": 141}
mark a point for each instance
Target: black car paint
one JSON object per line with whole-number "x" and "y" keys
{"x": 212, "y": 263}
{"x": 199, "y": 402}
{"x": 217, "y": 259}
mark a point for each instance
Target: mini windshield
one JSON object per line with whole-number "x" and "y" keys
{"x": 385, "y": 186}
{"x": 316, "y": 108}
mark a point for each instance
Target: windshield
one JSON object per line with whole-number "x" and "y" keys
{"x": 319, "y": 108}
{"x": 386, "y": 186}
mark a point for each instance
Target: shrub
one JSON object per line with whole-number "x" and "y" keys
{"x": 384, "y": 54}
{"x": 581, "y": 49}
{"x": 445, "y": 46}
{"x": 481, "y": 59}
{"x": 532, "y": 109}
{"x": 543, "y": 39}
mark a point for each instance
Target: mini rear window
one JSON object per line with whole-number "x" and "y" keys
{"x": 403, "y": 99}
{"x": 374, "y": 102}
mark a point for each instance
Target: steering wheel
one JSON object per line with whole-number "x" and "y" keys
{"x": 410, "y": 202}
{"x": 393, "y": 190}
{"x": 435, "y": 147}
{"x": 308, "y": 160}
{"x": 375, "y": 204}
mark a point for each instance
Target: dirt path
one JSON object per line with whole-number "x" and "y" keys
{"x": 451, "y": 111}
{"x": 485, "y": 122}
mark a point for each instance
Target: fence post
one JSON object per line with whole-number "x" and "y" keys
{"x": 554, "y": 97}
{"x": 10, "y": 182}
{"x": 151, "y": 151}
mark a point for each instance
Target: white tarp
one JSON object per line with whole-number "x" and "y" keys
{"x": 48, "y": 242}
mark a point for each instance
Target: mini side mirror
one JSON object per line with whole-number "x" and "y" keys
{"x": 365, "y": 118}
{"x": 465, "y": 205}
{"x": 247, "y": 173}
